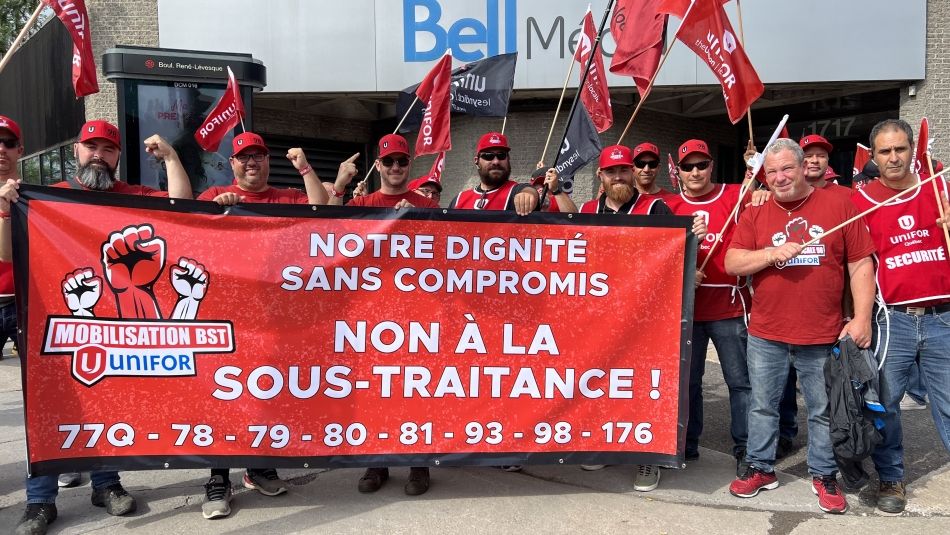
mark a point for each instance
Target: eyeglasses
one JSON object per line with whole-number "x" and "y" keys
{"x": 489, "y": 156}
{"x": 9, "y": 142}
{"x": 243, "y": 158}
{"x": 687, "y": 167}
{"x": 646, "y": 164}
{"x": 388, "y": 161}
{"x": 430, "y": 193}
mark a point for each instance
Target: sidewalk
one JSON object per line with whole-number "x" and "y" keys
{"x": 547, "y": 499}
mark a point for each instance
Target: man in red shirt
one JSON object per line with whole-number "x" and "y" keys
{"x": 721, "y": 299}
{"x": 393, "y": 167}
{"x": 796, "y": 311}
{"x": 646, "y": 163}
{"x": 250, "y": 162}
{"x": 97, "y": 156}
{"x": 913, "y": 277}
{"x": 621, "y": 191}
{"x": 495, "y": 190}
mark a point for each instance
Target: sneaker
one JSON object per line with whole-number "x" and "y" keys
{"x": 891, "y": 497}
{"x": 418, "y": 481}
{"x": 786, "y": 446}
{"x": 115, "y": 499}
{"x": 511, "y": 467}
{"x": 692, "y": 455}
{"x": 647, "y": 478}
{"x": 373, "y": 479}
{"x": 593, "y": 467}
{"x": 830, "y": 498}
{"x": 752, "y": 481}
{"x": 36, "y": 519}
{"x": 908, "y": 403}
{"x": 217, "y": 498}
{"x": 69, "y": 479}
{"x": 266, "y": 481}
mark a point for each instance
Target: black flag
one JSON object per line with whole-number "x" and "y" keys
{"x": 581, "y": 146}
{"x": 481, "y": 88}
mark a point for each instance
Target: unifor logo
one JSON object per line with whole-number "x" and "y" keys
{"x": 729, "y": 41}
{"x": 91, "y": 129}
{"x": 906, "y": 222}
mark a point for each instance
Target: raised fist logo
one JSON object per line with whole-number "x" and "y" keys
{"x": 189, "y": 279}
{"x": 796, "y": 230}
{"x": 82, "y": 290}
{"x": 132, "y": 260}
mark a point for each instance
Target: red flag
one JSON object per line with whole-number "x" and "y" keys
{"x": 707, "y": 32}
{"x": 862, "y": 155}
{"x": 437, "y": 166}
{"x": 637, "y": 27}
{"x": 679, "y": 8}
{"x": 73, "y": 15}
{"x": 227, "y": 114}
{"x": 674, "y": 174}
{"x": 434, "y": 134}
{"x": 595, "y": 94}
{"x": 923, "y": 148}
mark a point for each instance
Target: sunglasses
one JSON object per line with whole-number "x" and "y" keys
{"x": 243, "y": 158}
{"x": 646, "y": 164}
{"x": 702, "y": 166}
{"x": 388, "y": 161}
{"x": 489, "y": 156}
{"x": 9, "y": 142}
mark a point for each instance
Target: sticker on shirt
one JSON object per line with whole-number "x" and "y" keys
{"x": 798, "y": 231}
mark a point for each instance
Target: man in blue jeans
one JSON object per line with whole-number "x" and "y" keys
{"x": 913, "y": 279}
{"x": 796, "y": 311}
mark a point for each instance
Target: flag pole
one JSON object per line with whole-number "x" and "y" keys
{"x": 504, "y": 123}
{"x": 567, "y": 79}
{"x": 748, "y": 112}
{"x": 946, "y": 233}
{"x": 594, "y": 49}
{"x": 396, "y": 131}
{"x": 22, "y": 35}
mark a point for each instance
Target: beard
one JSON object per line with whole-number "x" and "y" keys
{"x": 620, "y": 192}
{"x": 96, "y": 175}
{"x": 492, "y": 181}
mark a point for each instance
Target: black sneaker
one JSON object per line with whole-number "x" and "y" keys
{"x": 36, "y": 519}
{"x": 891, "y": 497}
{"x": 418, "y": 481}
{"x": 115, "y": 499}
{"x": 373, "y": 479}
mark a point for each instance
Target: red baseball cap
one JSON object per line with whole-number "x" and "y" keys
{"x": 492, "y": 140}
{"x": 814, "y": 140}
{"x": 247, "y": 140}
{"x": 393, "y": 144}
{"x": 100, "y": 129}
{"x": 9, "y": 124}
{"x": 693, "y": 146}
{"x": 615, "y": 155}
{"x": 537, "y": 177}
{"x": 830, "y": 174}
{"x": 423, "y": 180}
{"x": 648, "y": 148}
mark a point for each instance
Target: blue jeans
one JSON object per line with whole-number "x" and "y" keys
{"x": 916, "y": 386}
{"x": 909, "y": 338}
{"x": 43, "y": 489}
{"x": 788, "y": 407}
{"x": 729, "y": 336}
{"x": 8, "y": 324}
{"x": 769, "y": 362}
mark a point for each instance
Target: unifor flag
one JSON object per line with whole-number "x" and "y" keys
{"x": 581, "y": 146}
{"x": 227, "y": 114}
{"x": 674, "y": 172}
{"x": 706, "y": 30}
{"x": 862, "y": 155}
{"x": 595, "y": 94}
{"x": 433, "y": 92}
{"x": 481, "y": 89}
{"x": 435, "y": 173}
{"x": 637, "y": 27}
{"x": 73, "y": 14}
{"x": 923, "y": 150}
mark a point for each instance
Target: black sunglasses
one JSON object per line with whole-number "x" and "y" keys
{"x": 647, "y": 164}
{"x": 10, "y": 142}
{"x": 258, "y": 157}
{"x": 388, "y": 161}
{"x": 687, "y": 167}
{"x": 489, "y": 156}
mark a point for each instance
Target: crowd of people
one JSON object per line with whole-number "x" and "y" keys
{"x": 777, "y": 286}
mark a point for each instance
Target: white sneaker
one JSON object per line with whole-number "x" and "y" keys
{"x": 908, "y": 403}
{"x": 593, "y": 467}
{"x": 647, "y": 478}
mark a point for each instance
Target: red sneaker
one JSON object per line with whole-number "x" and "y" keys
{"x": 752, "y": 481}
{"x": 830, "y": 497}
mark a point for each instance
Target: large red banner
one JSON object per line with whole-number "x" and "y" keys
{"x": 342, "y": 337}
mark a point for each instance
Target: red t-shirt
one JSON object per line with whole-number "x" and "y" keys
{"x": 840, "y": 190}
{"x": 269, "y": 195}
{"x": 6, "y": 279}
{"x": 118, "y": 187}
{"x": 912, "y": 260}
{"x": 379, "y": 199}
{"x": 664, "y": 195}
{"x": 719, "y": 297}
{"x": 800, "y": 302}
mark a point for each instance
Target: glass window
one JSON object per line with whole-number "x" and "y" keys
{"x": 31, "y": 170}
{"x": 69, "y": 161}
